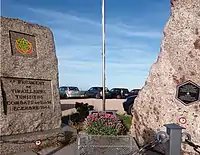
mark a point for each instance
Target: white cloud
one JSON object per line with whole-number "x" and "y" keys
{"x": 96, "y": 65}
{"x": 136, "y": 31}
{"x": 58, "y": 18}
{"x": 143, "y": 34}
{"x": 78, "y": 47}
{"x": 121, "y": 54}
{"x": 86, "y": 46}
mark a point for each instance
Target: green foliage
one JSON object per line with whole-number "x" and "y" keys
{"x": 127, "y": 120}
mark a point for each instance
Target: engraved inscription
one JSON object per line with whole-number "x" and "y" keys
{"x": 188, "y": 92}
{"x": 23, "y": 95}
{"x": 22, "y": 44}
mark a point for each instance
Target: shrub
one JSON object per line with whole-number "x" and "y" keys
{"x": 104, "y": 124}
{"x": 82, "y": 112}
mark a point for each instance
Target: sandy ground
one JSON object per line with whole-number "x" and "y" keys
{"x": 67, "y": 105}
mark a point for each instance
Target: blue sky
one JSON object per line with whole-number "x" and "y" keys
{"x": 133, "y": 36}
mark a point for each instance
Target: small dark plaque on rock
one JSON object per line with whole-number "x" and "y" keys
{"x": 22, "y": 44}
{"x": 188, "y": 92}
{"x": 26, "y": 95}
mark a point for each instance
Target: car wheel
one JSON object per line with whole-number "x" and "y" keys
{"x": 97, "y": 96}
{"x": 129, "y": 112}
{"x": 65, "y": 96}
{"x": 118, "y": 96}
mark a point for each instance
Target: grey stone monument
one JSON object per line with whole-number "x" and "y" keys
{"x": 30, "y": 103}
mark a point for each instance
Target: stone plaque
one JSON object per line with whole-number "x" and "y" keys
{"x": 188, "y": 92}
{"x": 22, "y": 44}
{"x": 26, "y": 95}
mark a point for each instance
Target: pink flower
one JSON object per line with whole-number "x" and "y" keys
{"x": 112, "y": 117}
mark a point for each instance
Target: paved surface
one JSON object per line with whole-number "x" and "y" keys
{"x": 29, "y": 152}
{"x": 67, "y": 108}
{"x": 111, "y": 104}
{"x": 68, "y": 150}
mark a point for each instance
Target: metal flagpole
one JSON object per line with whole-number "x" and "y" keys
{"x": 103, "y": 54}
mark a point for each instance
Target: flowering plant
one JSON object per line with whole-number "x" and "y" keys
{"x": 103, "y": 124}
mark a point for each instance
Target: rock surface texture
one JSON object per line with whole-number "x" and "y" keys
{"x": 178, "y": 61}
{"x": 29, "y": 94}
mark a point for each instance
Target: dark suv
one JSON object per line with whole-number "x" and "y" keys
{"x": 134, "y": 92}
{"x": 119, "y": 93}
{"x": 96, "y": 92}
{"x": 128, "y": 104}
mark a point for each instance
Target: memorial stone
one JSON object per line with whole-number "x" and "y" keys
{"x": 30, "y": 104}
{"x": 171, "y": 91}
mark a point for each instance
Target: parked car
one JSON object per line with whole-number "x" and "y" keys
{"x": 111, "y": 112}
{"x": 119, "y": 93}
{"x": 128, "y": 104}
{"x": 71, "y": 92}
{"x": 134, "y": 92}
{"x": 96, "y": 92}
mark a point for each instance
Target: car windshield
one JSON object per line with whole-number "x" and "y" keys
{"x": 111, "y": 90}
{"x": 97, "y": 88}
{"x": 135, "y": 91}
{"x": 119, "y": 90}
{"x": 115, "y": 90}
{"x": 125, "y": 91}
{"x": 63, "y": 88}
{"x": 73, "y": 88}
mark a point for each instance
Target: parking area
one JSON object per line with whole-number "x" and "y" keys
{"x": 111, "y": 104}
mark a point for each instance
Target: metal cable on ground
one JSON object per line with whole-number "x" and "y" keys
{"x": 147, "y": 147}
{"x": 187, "y": 139}
{"x": 150, "y": 147}
{"x": 161, "y": 153}
{"x": 195, "y": 146}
